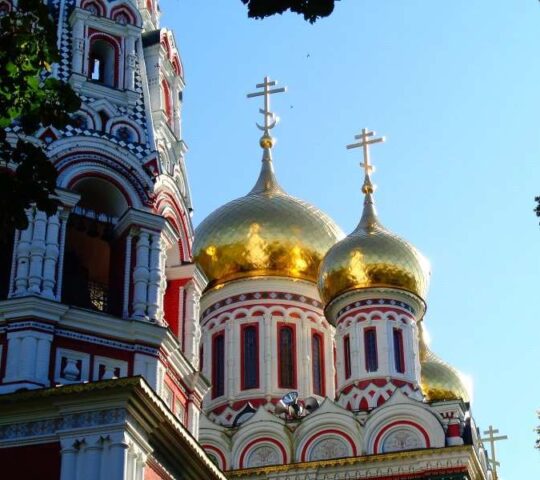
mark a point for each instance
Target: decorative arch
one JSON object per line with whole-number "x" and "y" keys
{"x": 262, "y": 452}
{"x": 217, "y": 454}
{"x": 5, "y": 7}
{"x": 103, "y": 58}
{"x": 167, "y": 204}
{"x": 75, "y": 165}
{"x": 116, "y": 126}
{"x": 95, "y": 7}
{"x": 402, "y": 421}
{"x": 123, "y": 14}
{"x": 328, "y": 444}
{"x": 167, "y": 99}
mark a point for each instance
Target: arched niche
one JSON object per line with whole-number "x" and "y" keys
{"x": 94, "y": 257}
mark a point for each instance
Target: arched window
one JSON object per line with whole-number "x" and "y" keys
{"x": 347, "y": 355}
{"x": 286, "y": 357}
{"x": 167, "y": 100}
{"x": 250, "y": 356}
{"x": 370, "y": 349}
{"x": 218, "y": 365}
{"x": 317, "y": 359}
{"x": 102, "y": 62}
{"x": 93, "y": 262}
{"x": 399, "y": 354}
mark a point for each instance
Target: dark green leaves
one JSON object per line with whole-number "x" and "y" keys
{"x": 310, "y": 9}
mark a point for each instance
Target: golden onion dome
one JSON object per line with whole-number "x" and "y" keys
{"x": 371, "y": 256}
{"x": 265, "y": 233}
{"x": 440, "y": 381}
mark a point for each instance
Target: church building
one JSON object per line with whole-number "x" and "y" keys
{"x": 265, "y": 344}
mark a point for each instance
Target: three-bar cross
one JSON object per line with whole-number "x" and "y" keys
{"x": 270, "y": 119}
{"x": 491, "y": 439}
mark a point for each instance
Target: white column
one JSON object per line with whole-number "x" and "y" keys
{"x": 52, "y": 250}
{"x": 63, "y": 228}
{"x": 231, "y": 338}
{"x": 131, "y": 64}
{"x": 78, "y": 46}
{"x": 69, "y": 460}
{"x": 269, "y": 364}
{"x": 27, "y": 367}
{"x": 127, "y": 270}
{"x": 13, "y": 354}
{"x": 193, "y": 414}
{"x": 22, "y": 251}
{"x": 37, "y": 252}
{"x": 141, "y": 275}
{"x": 329, "y": 367}
{"x": 192, "y": 327}
{"x": 117, "y": 459}
{"x": 93, "y": 459}
{"x": 154, "y": 279}
{"x": 43, "y": 359}
{"x": 147, "y": 367}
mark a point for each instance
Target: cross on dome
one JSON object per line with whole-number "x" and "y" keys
{"x": 270, "y": 118}
{"x": 365, "y": 142}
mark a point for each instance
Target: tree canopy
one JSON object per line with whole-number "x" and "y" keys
{"x": 30, "y": 98}
{"x": 312, "y": 10}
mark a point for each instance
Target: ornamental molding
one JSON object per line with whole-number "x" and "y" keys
{"x": 54, "y": 426}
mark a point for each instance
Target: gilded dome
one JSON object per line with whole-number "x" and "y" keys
{"x": 440, "y": 381}
{"x": 371, "y": 256}
{"x": 265, "y": 233}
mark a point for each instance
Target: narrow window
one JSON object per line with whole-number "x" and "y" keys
{"x": 102, "y": 62}
{"x": 317, "y": 367}
{"x": 347, "y": 354}
{"x": 370, "y": 348}
{"x": 399, "y": 354}
{"x": 287, "y": 364}
{"x": 218, "y": 366}
{"x": 250, "y": 357}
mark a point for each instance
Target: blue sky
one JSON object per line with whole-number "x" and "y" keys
{"x": 455, "y": 88}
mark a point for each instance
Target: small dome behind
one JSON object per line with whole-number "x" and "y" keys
{"x": 371, "y": 256}
{"x": 265, "y": 233}
{"x": 440, "y": 381}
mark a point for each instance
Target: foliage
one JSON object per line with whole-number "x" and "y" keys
{"x": 29, "y": 98}
{"x": 537, "y": 209}
{"x": 310, "y": 9}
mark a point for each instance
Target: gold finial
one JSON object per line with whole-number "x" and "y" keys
{"x": 365, "y": 142}
{"x": 270, "y": 118}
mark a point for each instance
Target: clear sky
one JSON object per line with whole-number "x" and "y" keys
{"x": 455, "y": 88}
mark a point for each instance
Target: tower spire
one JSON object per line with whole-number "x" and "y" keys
{"x": 367, "y": 138}
{"x": 267, "y": 181}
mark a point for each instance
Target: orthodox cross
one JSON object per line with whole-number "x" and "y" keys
{"x": 365, "y": 142}
{"x": 491, "y": 439}
{"x": 270, "y": 118}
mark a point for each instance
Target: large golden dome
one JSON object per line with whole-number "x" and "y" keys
{"x": 371, "y": 256}
{"x": 265, "y": 233}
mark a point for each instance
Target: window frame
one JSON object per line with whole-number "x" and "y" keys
{"x": 367, "y": 359}
{"x": 243, "y": 369}
{"x": 292, "y": 327}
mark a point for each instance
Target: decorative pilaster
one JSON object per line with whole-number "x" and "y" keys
{"x": 141, "y": 276}
{"x": 37, "y": 252}
{"x": 22, "y": 253}
{"x": 127, "y": 270}
{"x": 155, "y": 270}
{"x": 50, "y": 260}
{"x": 27, "y": 360}
{"x": 193, "y": 330}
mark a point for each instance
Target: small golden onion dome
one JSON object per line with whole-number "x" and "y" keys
{"x": 440, "y": 381}
{"x": 265, "y": 233}
{"x": 371, "y": 256}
